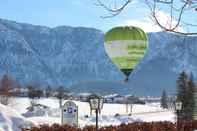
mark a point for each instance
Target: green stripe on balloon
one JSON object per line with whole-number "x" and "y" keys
{"x": 137, "y": 46}
{"x": 125, "y": 62}
{"x": 125, "y": 33}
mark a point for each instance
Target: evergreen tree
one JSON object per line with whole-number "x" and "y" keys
{"x": 186, "y": 94}
{"x": 48, "y": 91}
{"x": 34, "y": 92}
{"x": 164, "y": 103}
{"x": 181, "y": 87}
{"x": 39, "y": 93}
{"x": 31, "y": 92}
{"x": 191, "y": 99}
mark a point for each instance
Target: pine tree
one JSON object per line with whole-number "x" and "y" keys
{"x": 186, "y": 94}
{"x": 181, "y": 87}
{"x": 31, "y": 92}
{"x": 191, "y": 99}
{"x": 164, "y": 103}
{"x": 48, "y": 91}
{"x": 34, "y": 92}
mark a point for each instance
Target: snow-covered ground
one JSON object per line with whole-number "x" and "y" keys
{"x": 12, "y": 119}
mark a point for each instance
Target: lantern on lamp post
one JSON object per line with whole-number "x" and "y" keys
{"x": 96, "y": 104}
{"x": 178, "y": 107}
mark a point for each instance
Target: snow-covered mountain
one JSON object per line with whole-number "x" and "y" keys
{"x": 71, "y": 55}
{"x": 55, "y": 56}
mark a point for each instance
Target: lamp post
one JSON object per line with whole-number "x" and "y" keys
{"x": 96, "y": 104}
{"x": 178, "y": 107}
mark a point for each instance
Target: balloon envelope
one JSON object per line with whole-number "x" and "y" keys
{"x": 126, "y": 46}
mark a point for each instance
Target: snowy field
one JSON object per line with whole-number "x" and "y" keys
{"x": 12, "y": 117}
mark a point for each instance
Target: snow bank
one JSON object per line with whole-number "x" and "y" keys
{"x": 10, "y": 120}
{"x": 42, "y": 111}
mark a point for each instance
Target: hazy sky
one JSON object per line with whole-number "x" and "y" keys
{"x": 54, "y": 13}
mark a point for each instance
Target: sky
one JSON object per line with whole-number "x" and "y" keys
{"x": 75, "y": 13}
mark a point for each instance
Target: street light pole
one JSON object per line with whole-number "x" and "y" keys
{"x": 178, "y": 110}
{"x": 96, "y": 119}
{"x": 177, "y": 121}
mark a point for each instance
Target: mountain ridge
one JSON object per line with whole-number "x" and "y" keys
{"x": 66, "y": 55}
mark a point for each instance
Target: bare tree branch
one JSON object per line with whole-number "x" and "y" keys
{"x": 166, "y": 28}
{"x": 175, "y": 13}
{"x": 113, "y": 11}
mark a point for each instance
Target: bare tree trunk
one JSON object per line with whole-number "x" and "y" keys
{"x": 4, "y": 99}
{"x": 5, "y": 89}
{"x": 127, "y": 108}
{"x": 60, "y": 103}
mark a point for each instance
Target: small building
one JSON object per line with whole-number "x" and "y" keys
{"x": 149, "y": 99}
{"x": 22, "y": 92}
{"x": 82, "y": 97}
{"x": 114, "y": 98}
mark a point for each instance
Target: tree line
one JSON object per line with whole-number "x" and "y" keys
{"x": 11, "y": 88}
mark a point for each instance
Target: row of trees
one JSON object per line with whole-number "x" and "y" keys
{"x": 9, "y": 87}
{"x": 60, "y": 93}
{"x": 38, "y": 92}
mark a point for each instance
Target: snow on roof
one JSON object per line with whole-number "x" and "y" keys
{"x": 84, "y": 94}
{"x": 112, "y": 95}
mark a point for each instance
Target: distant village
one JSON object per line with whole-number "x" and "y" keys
{"x": 83, "y": 97}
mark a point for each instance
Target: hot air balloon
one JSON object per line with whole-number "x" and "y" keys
{"x": 126, "y": 46}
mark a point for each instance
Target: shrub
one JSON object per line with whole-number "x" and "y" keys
{"x": 136, "y": 126}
